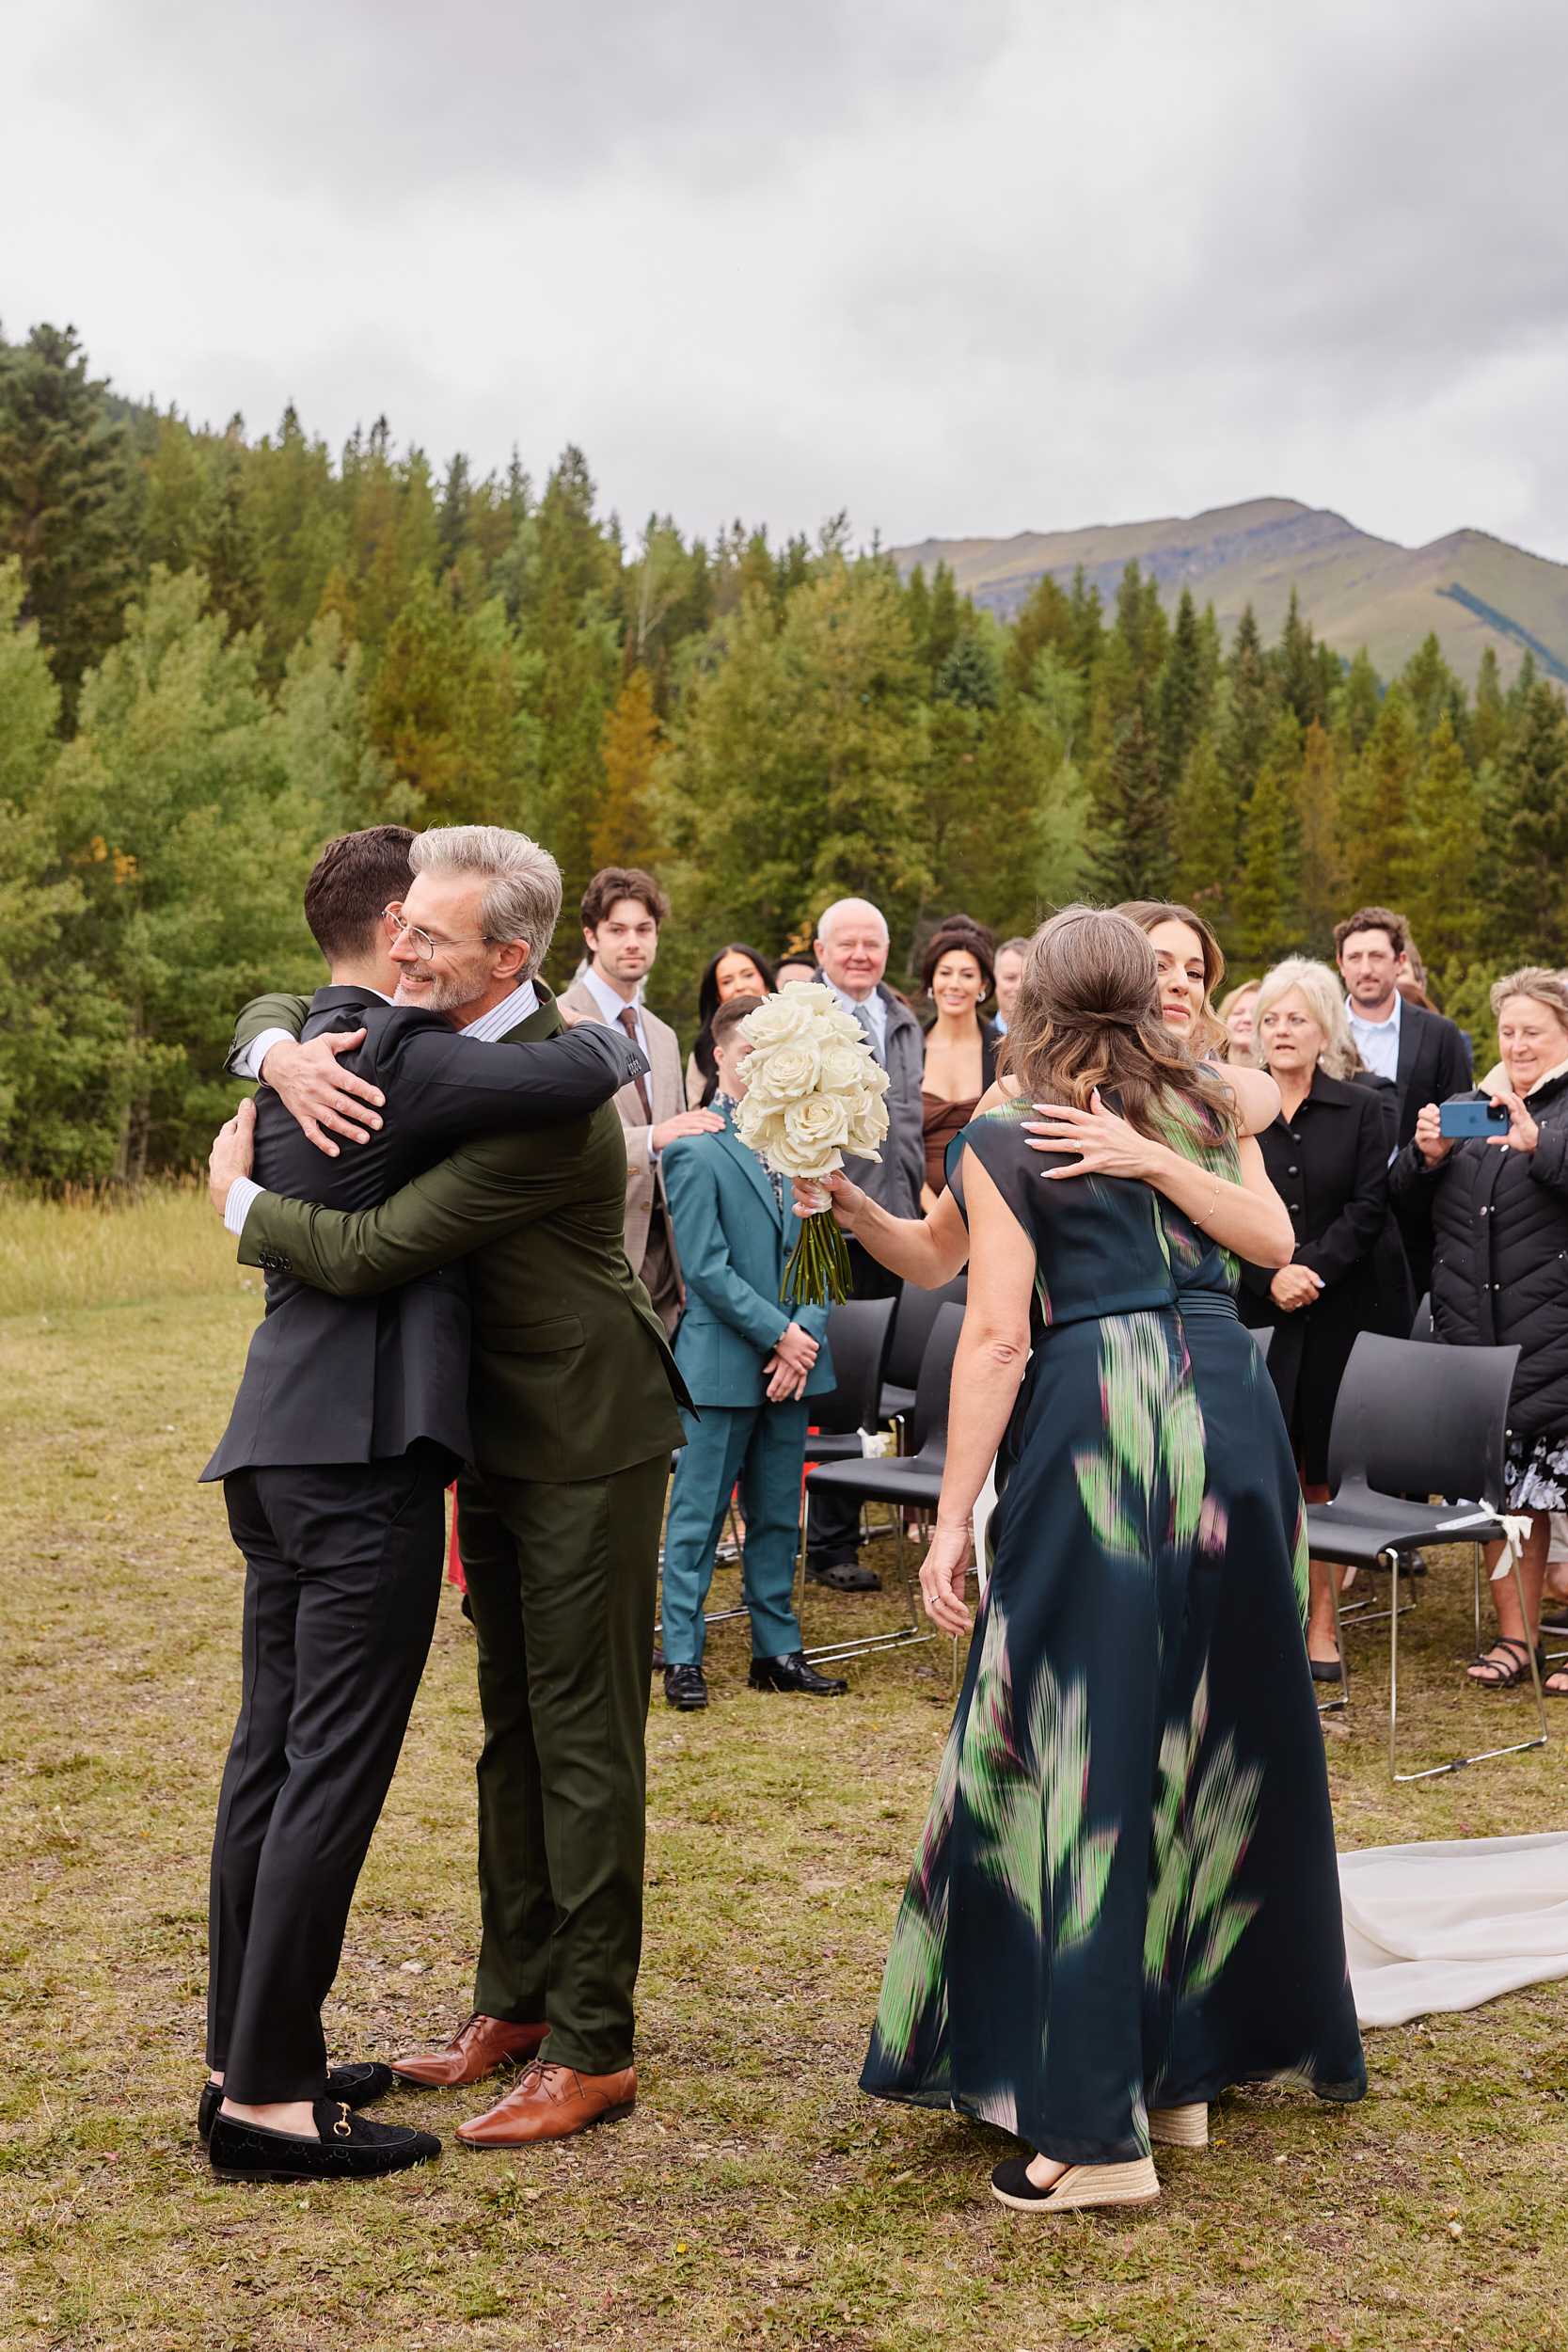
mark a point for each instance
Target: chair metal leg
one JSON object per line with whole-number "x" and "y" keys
{"x": 1487, "y": 1756}
{"x": 1475, "y": 1563}
{"x": 894, "y": 1637}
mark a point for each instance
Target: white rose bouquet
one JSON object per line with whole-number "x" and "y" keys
{"x": 814, "y": 1092}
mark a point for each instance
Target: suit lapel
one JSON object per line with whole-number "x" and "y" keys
{"x": 1412, "y": 1022}
{"x": 755, "y": 1172}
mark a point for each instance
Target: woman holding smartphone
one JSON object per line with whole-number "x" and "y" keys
{"x": 1498, "y": 1205}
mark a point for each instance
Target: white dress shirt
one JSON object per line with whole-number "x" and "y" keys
{"x": 612, "y": 1004}
{"x": 1378, "y": 1042}
{"x": 488, "y": 1030}
{"x": 875, "y": 1009}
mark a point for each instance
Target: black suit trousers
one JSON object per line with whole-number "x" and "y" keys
{"x": 342, "y": 1579}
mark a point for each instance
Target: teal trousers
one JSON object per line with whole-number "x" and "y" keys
{"x": 763, "y": 1447}
{"x": 562, "y": 1580}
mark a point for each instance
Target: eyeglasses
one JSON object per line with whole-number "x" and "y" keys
{"x": 425, "y": 947}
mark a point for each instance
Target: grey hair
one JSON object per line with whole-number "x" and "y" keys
{"x": 1535, "y": 981}
{"x": 842, "y": 906}
{"x": 523, "y": 900}
{"x": 1325, "y": 1000}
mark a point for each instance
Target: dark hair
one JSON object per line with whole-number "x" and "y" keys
{"x": 614, "y": 883}
{"x": 731, "y": 1014}
{"x": 958, "y": 932}
{"x": 1373, "y": 919}
{"x": 708, "y": 1006}
{"x": 1088, "y": 1015}
{"x": 1210, "y": 1034}
{"x": 353, "y": 880}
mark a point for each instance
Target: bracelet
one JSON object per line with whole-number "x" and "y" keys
{"x": 1214, "y": 1205}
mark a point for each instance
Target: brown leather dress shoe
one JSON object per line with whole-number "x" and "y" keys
{"x": 476, "y": 2049}
{"x": 551, "y": 2102}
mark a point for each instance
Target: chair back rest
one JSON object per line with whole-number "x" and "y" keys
{"x": 1414, "y": 1419}
{"x": 1263, "y": 1338}
{"x": 858, "y": 1335}
{"x": 928, "y": 1421}
{"x": 1423, "y": 1328}
{"x": 912, "y": 1327}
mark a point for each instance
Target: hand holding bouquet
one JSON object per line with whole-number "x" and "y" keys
{"x": 814, "y": 1092}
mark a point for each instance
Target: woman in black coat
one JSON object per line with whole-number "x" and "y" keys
{"x": 1497, "y": 1210}
{"x": 1327, "y": 1158}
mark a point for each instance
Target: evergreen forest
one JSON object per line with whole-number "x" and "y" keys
{"x": 217, "y": 651}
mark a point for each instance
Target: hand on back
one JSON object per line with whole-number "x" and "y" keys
{"x": 311, "y": 1087}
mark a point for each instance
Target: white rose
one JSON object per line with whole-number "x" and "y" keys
{"x": 780, "y": 1017}
{"x": 823, "y": 1119}
{"x": 809, "y": 1160}
{"x": 844, "y": 1024}
{"x": 808, "y": 992}
{"x": 791, "y": 1069}
{"x": 841, "y": 1067}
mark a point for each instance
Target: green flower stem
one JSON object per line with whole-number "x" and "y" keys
{"x": 817, "y": 1272}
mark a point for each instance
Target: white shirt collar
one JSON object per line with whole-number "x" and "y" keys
{"x": 873, "y": 1007}
{"x": 1359, "y": 1021}
{"x": 613, "y": 1005}
{"x": 501, "y": 1018}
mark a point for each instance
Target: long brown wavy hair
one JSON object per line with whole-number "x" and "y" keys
{"x": 1087, "y": 1015}
{"x": 1210, "y": 1039}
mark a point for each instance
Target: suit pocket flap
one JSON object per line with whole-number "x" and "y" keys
{"x": 531, "y": 1339}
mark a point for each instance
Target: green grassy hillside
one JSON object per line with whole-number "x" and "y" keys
{"x": 1355, "y": 590}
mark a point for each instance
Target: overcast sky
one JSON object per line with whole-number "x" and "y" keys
{"x": 961, "y": 266}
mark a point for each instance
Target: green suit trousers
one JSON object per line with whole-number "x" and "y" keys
{"x": 563, "y": 1581}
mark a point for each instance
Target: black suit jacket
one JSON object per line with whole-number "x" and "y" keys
{"x": 1434, "y": 1063}
{"x": 357, "y": 1379}
{"x": 1329, "y": 1165}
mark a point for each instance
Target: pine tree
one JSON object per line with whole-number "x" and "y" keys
{"x": 625, "y": 833}
{"x": 1087, "y": 624}
{"x": 1298, "y": 670}
{"x": 1375, "y": 807}
{"x": 968, "y": 675}
{"x": 1129, "y": 845}
{"x": 1263, "y": 887}
{"x": 1044, "y": 618}
{"x": 1440, "y": 897}
{"x": 231, "y": 552}
{"x": 918, "y": 608}
{"x": 67, "y": 508}
{"x": 1206, "y": 836}
{"x": 1489, "y": 726}
{"x": 941, "y": 633}
{"x": 1182, "y": 702}
{"x": 1359, "y": 701}
{"x": 1251, "y": 706}
{"x": 1532, "y": 912}
{"x": 1318, "y": 827}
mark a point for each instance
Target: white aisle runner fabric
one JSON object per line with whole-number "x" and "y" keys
{"x": 1447, "y": 1926}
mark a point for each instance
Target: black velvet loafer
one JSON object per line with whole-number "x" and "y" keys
{"x": 685, "y": 1688}
{"x": 353, "y": 2086}
{"x": 792, "y": 1673}
{"x": 349, "y": 2149}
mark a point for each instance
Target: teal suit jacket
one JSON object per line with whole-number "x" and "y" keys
{"x": 732, "y": 1239}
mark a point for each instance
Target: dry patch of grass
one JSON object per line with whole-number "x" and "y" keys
{"x": 756, "y": 2198}
{"x": 93, "y": 1249}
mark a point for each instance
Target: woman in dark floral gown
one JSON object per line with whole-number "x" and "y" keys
{"x": 1126, "y": 1895}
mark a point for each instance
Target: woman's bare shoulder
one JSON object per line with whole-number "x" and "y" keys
{"x": 997, "y": 1095}
{"x": 1255, "y": 1095}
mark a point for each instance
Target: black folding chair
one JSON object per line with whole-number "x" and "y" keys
{"x": 909, "y": 1482}
{"x": 859, "y": 1334}
{"x": 1413, "y": 1418}
{"x": 912, "y": 1327}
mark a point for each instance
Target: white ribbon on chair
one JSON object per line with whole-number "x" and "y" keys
{"x": 1514, "y": 1524}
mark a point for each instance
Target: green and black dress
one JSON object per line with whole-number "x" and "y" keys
{"x": 1126, "y": 1895}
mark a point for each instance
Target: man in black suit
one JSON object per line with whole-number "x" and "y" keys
{"x": 1423, "y": 1054}
{"x": 351, "y": 1420}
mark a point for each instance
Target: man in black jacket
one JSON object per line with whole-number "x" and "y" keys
{"x": 350, "y": 1422}
{"x": 1422, "y": 1054}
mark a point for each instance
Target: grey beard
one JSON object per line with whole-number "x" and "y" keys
{"x": 450, "y": 996}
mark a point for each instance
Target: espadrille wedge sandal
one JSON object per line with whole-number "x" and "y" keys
{"x": 1178, "y": 2127}
{"x": 1081, "y": 2184}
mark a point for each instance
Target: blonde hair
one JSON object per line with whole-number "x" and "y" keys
{"x": 1087, "y": 1015}
{"x": 1326, "y": 1001}
{"x": 1233, "y": 996}
{"x": 1534, "y": 980}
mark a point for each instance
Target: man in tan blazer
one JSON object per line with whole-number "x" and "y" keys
{"x": 622, "y": 911}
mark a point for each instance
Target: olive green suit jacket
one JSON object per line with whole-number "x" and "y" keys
{"x": 572, "y": 1376}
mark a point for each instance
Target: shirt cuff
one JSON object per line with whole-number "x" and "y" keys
{"x": 242, "y": 1192}
{"x": 247, "y": 1063}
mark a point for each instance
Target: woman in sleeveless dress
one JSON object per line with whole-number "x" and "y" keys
{"x": 1126, "y": 1895}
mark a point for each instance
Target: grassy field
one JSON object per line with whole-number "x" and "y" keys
{"x": 756, "y": 2197}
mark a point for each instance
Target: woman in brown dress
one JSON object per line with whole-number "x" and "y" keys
{"x": 958, "y": 974}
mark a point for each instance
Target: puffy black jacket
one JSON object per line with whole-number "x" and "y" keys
{"x": 1499, "y": 1227}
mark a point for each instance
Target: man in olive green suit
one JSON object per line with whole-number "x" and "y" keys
{"x": 571, "y": 1404}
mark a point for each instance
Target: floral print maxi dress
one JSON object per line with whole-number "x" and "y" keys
{"x": 1126, "y": 1895}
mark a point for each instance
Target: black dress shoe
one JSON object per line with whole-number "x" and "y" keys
{"x": 791, "y": 1672}
{"x": 353, "y": 2086}
{"x": 349, "y": 2149}
{"x": 684, "y": 1688}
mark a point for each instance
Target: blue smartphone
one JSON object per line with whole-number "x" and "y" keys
{"x": 1472, "y": 1119}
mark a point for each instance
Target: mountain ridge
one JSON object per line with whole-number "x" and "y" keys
{"x": 1355, "y": 589}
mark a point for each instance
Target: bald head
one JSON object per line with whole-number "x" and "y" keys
{"x": 851, "y": 947}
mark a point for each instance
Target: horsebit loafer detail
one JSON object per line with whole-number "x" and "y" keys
{"x": 348, "y": 2149}
{"x": 551, "y": 2102}
{"x": 353, "y": 2086}
{"x": 476, "y": 2049}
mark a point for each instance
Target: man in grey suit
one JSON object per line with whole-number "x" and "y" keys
{"x": 851, "y": 947}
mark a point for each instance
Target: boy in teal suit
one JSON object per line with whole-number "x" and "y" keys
{"x": 750, "y": 1365}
